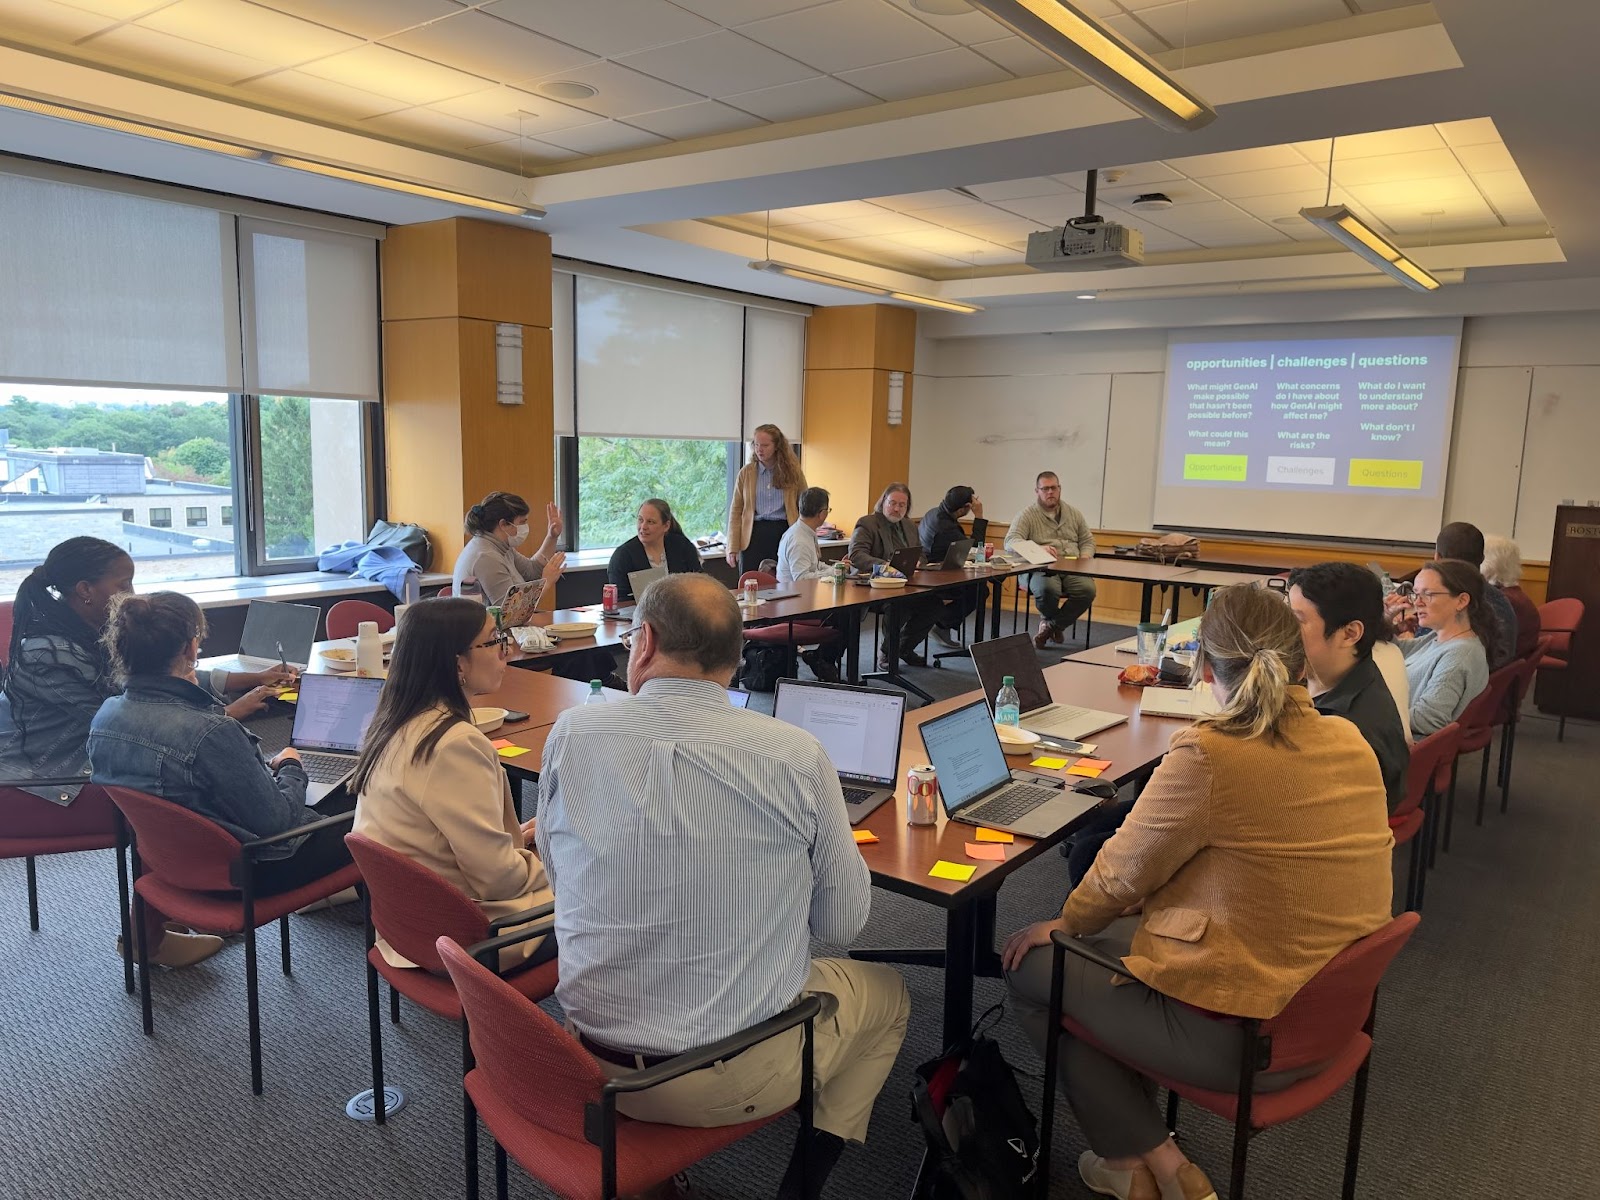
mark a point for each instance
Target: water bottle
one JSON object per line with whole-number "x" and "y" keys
{"x": 1007, "y": 704}
{"x": 596, "y": 693}
{"x": 369, "y": 650}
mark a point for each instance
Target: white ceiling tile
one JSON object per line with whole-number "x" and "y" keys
{"x": 1267, "y": 183}
{"x": 320, "y": 96}
{"x": 919, "y": 202}
{"x": 161, "y": 52}
{"x": 775, "y": 218}
{"x": 1232, "y": 162}
{"x": 1369, "y": 6}
{"x": 1396, "y": 168}
{"x": 837, "y": 210}
{"x": 1503, "y": 186}
{"x": 1019, "y": 57}
{"x": 719, "y": 65}
{"x": 1373, "y": 145}
{"x": 121, "y": 10}
{"x": 1048, "y": 211}
{"x": 1159, "y": 241}
{"x": 1234, "y": 233}
{"x": 515, "y": 111}
{"x": 488, "y": 47}
{"x": 391, "y": 73}
{"x": 968, "y": 28}
{"x": 619, "y": 91}
{"x": 248, "y": 30}
{"x": 605, "y": 137}
{"x": 517, "y": 153}
{"x": 1136, "y": 33}
{"x": 1018, "y": 189}
{"x": 927, "y": 75}
{"x": 52, "y": 22}
{"x": 1220, "y": 20}
{"x": 607, "y": 29}
{"x": 885, "y": 222}
{"x": 816, "y": 231}
{"x": 1286, "y": 204}
{"x": 362, "y": 17}
{"x": 694, "y": 120}
{"x": 431, "y": 127}
{"x": 943, "y": 241}
{"x": 1456, "y": 215}
{"x": 735, "y": 12}
{"x": 1488, "y": 157}
{"x": 1476, "y": 132}
{"x": 1136, "y": 175}
{"x": 1419, "y": 194}
{"x": 814, "y": 97}
{"x": 847, "y": 34}
{"x": 1181, "y": 216}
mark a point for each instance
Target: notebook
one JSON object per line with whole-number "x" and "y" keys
{"x": 859, "y": 727}
{"x": 330, "y": 720}
{"x": 977, "y": 786}
{"x": 995, "y": 658}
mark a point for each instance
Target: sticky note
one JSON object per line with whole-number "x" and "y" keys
{"x": 502, "y": 743}
{"x": 1086, "y": 772}
{"x": 1055, "y": 764}
{"x": 864, "y": 837}
{"x": 291, "y": 697}
{"x": 986, "y": 850}
{"x": 949, "y": 870}
{"x": 994, "y": 835}
{"x": 1098, "y": 764}
{"x": 513, "y": 751}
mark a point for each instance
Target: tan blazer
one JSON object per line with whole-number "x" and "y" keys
{"x": 1256, "y": 861}
{"x": 742, "y": 509}
{"x": 453, "y": 814}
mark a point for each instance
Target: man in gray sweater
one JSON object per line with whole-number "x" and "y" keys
{"x": 1062, "y": 530}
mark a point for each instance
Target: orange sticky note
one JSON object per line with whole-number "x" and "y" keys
{"x": 502, "y": 743}
{"x": 864, "y": 837}
{"x": 960, "y": 872}
{"x": 1098, "y": 764}
{"x": 993, "y": 835}
{"x": 513, "y": 751}
{"x": 1086, "y": 772}
{"x": 986, "y": 850}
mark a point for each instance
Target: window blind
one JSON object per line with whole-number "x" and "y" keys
{"x": 774, "y": 370}
{"x": 562, "y": 391}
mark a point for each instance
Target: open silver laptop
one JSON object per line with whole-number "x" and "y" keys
{"x": 996, "y": 658}
{"x": 330, "y": 721}
{"x": 639, "y": 580}
{"x": 273, "y": 629}
{"x": 955, "y": 557}
{"x": 977, "y": 786}
{"x": 859, "y": 727}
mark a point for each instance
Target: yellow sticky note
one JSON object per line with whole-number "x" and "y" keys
{"x": 291, "y": 697}
{"x": 864, "y": 837}
{"x": 949, "y": 870}
{"x": 994, "y": 835}
{"x": 513, "y": 751}
{"x": 1086, "y": 772}
{"x": 1055, "y": 764}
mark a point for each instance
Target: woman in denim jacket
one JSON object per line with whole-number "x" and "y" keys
{"x": 170, "y": 737}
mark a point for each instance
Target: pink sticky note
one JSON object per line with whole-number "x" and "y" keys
{"x": 987, "y": 850}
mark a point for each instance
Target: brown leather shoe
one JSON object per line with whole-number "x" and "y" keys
{"x": 1137, "y": 1184}
{"x": 1192, "y": 1180}
{"x": 1042, "y": 638}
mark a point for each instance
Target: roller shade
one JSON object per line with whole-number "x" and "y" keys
{"x": 774, "y": 370}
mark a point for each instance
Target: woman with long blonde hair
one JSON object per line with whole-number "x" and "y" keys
{"x": 766, "y": 497}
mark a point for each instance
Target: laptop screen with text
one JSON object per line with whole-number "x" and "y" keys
{"x": 965, "y": 750}
{"x": 333, "y": 711}
{"x": 858, "y": 727}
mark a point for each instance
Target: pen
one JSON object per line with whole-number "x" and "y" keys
{"x": 282, "y": 662}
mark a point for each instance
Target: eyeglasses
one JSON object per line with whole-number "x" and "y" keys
{"x": 1421, "y": 595}
{"x": 501, "y": 640}
{"x": 626, "y": 636}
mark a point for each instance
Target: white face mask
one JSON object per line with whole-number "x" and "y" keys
{"x": 520, "y": 536}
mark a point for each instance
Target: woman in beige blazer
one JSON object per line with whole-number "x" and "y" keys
{"x": 1258, "y": 850}
{"x": 430, "y": 786}
{"x": 766, "y": 498}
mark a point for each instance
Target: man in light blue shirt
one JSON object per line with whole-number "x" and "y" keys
{"x": 695, "y": 849}
{"x": 800, "y": 557}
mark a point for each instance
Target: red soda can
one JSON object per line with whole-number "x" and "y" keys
{"x": 608, "y": 598}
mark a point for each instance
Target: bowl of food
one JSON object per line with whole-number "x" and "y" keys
{"x": 487, "y": 720}
{"x": 571, "y": 631}
{"x": 888, "y": 581}
{"x": 1014, "y": 740}
{"x": 338, "y": 658}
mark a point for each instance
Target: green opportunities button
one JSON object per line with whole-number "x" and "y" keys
{"x": 1221, "y": 468}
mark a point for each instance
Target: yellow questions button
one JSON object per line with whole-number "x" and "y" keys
{"x": 1223, "y": 468}
{"x": 1386, "y": 473}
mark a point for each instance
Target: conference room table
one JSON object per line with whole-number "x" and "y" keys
{"x": 1151, "y": 575}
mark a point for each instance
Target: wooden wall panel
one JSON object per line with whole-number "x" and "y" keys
{"x": 890, "y": 459}
{"x": 422, "y": 430}
{"x": 503, "y": 273}
{"x": 896, "y": 338}
{"x": 837, "y": 448}
{"x": 419, "y": 271}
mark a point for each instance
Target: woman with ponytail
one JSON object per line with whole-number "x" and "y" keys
{"x": 1258, "y": 850}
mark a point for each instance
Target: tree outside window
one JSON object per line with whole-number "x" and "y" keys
{"x": 616, "y": 474}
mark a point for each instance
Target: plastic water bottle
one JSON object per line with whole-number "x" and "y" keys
{"x": 596, "y": 693}
{"x": 1007, "y": 704}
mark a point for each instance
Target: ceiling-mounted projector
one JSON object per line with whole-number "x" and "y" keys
{"x": 1086, "y": 243}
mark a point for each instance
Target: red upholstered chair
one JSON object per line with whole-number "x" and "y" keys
{"x": 198, "y": 873}
{"x": 345, "y": 618}
{"x": 412, "y": 907}
{"x": 5, "y": 630}
{"x": 444, "y": 593}
{"x": 1510, "y": 715}
{"x": 1560, "y": 620}
{"x": 1427, "y": 778}
{"x": 31, "y": 827}
{"x": 792, "y": 635}
{"x": 1478, "y": 722}
{"x": 1329, "y": 1021}
{"x": 550, "y": 1106}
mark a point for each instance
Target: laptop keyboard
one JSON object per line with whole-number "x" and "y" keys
{"x": 1010, "y": 802}
{"x": 1058, "y": 716}
{"x": 855, "y": 795}
{"x": 325, "y": 768}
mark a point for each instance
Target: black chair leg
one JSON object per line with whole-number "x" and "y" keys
{"x": 1172, "y": 1112}
{"x": 502, "y": 1182}
{"x": 469, "y": 1140}
{"x": 1508, "y": 747}
{"x": 283, "y": 943}
{"x": 375, "y": 1034}
{"x": 394, "y": 1006}
{"x": 1561, "y": 728}
{"x": 142, "y": 944}
{"x": 122, "y": 916}
{"x": 33, "y": 894}
{"x": 1483, "y": 784}
{"x": 1449, "y": 819}
{"x": 252, "y": 998}
{"x": 1358, "y": 1109}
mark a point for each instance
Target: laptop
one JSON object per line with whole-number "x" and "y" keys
{"x": 738, "y": 697}
{"x": 330, "y": 719}
{"x": 1193, "y": 702}
{"x": 954, "y": 558}
{"x": 996, "y": 658}
{"x": 271, "y": 628}
{"x": 977, "y": 785}
{"x": 860, "y": 729}
{"x": 639, "y": 580}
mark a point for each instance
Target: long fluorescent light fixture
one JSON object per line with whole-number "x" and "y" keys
{"x": 1065, "y": 32}
{"x": 828, "y": 279}
{"x": 82, "y": 116}
{"x": 532, "y": 211}
{"x": 1339, "y": 223}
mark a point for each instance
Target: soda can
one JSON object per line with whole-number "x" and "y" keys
{"x": 922, "y": 796}
{"x": 608, "y": 598}
{"x": 751, "y": 593}
{"x": 495, "y": 611}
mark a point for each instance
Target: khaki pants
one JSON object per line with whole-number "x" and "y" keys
{"x": 858, "y": 1034}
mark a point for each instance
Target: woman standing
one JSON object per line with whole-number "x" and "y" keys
{"x": 430, "y": 785}
{"x": 766, "y": 498}
{"x": 659, "y": 543}
{"x": 1447, "y": 663}
{"x": 491, "y": 562}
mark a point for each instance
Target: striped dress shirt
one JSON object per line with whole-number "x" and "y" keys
{"x": 694, "y": 849}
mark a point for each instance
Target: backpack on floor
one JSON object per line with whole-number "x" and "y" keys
{"x": 983, "y": 1141}
{"x": 763, "y": 667}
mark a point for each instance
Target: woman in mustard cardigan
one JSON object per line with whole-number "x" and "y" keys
{"x": 1259, "y": 849}
{"x": 766, "y": 496}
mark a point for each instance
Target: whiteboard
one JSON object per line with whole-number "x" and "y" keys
{"x": 1132, "y": 444}
{"x": 1561, "y": 454}
{"x": 1486, "y": 448}
{"x": 996, "y": 433}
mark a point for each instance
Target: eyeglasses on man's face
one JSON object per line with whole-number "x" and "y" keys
{"x": 626, "y": 636}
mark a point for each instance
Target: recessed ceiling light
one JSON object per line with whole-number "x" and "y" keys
{"x": 568, "y": 89}
{"x": 942, "y": 8}
{"x": 1086, "y": 296}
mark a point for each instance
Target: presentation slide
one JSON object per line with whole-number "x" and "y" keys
{"x": 1339, "y": 431}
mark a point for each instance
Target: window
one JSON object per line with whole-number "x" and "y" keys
{"x": 227, "y": 515}
{"x": 313, "y": 478}
{"x": 161, "y": 518}
{"x": 194, "y": 517}
{"x": 615, "y": 475}
{"x": 127, "y": 515}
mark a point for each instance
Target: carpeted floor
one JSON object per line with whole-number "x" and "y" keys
{"x": 1482, "y": 1083}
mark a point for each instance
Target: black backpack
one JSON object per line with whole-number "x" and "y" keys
{"x": 983, "y": 1141}
{"x": 413, "y": 539}
{"x": 763, "y": 667}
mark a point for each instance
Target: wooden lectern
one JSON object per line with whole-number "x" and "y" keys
{"x": 1575, "y": 571}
